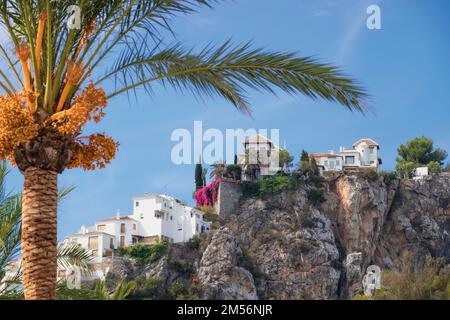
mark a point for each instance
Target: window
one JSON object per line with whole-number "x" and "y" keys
{"x": 180, "y": 226}
{"x": 350, "y": 160}
{"x": 171, "y": 218}
{"x": 332, "y": 164}
{"x": 142, "y": 216}
{"x": 167, "y": 216}
{"x": 122, "y": 228}
{"x": 192, "y": 215}
{"x": 122, "y": 241}
{"x": 372, "y": 162}
{"x": 371, "y": 150}
{"x": 134, "y": 227}
{"x": 111, "y": 243}
{"x": 93, "y": 243}
{"x": 197, "y": 228}
{"x": 101, "y": 227}
{"x": 137, "y": 203}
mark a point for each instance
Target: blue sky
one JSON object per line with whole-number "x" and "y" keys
{"x": 404, "y": 66}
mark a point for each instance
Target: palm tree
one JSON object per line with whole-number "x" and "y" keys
{"x": 68, "y": 256}
{"x": 52, "y": 89}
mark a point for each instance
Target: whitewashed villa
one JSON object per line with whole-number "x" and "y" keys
{"x": 155, "y": 217}
{"x": 364, "y": 154}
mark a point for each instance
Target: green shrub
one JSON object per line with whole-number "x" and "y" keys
{"x": 370, "y": 174}
{"x": 432, "y": 282}
{"x": 147, "y": 288}
{"x": 388, "y": 176}
{"x": 145, "y": 253}
{"x": 315, "y": 195}
{"x": 233, "y": 171}
{"x": 249, "y": 190}
{"x": 177, "y": 290}
{"x": 434, "y": 167}
{"x": 182, "y": 267}
{"x": 207, "y": 210}
{"x": 277, "y": 183}
{"x": 194, "y": 243}
{"x": 211, "y": 217}
{"x": 64, "y": 293}
{"x": 247, "y": 261}
{"x": 406, "y": 168}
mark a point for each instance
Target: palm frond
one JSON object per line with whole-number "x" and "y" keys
{"x": 134, "y": 28}
{"x": 123, "y": 289}
{"x": 64, "y": 192}
{"x": 229, "y": 71}
{"x": 74, "y": 256}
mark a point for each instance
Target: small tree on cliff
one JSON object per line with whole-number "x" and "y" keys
{"x": 52, "y": 90}
{"x": 199, "y": 176}
{"x": 284, "y": 158}
{"x": 419, "y": 152}
{"x": 304, "y": 160}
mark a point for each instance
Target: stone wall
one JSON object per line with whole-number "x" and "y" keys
{"x": 228, "y": 198}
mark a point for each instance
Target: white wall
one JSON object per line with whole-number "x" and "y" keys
{"x": 113, "y": 227}
{"x": 367, "y": 154}
{"x": 354, "y": 154}
{"x": 102, "y": 243}
{"x": 176, "y": 222}
{"x": 144, "y": 212}
{"x": 330, "y": 164}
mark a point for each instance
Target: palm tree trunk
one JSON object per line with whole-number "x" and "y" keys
{"x": 39, "y": 233}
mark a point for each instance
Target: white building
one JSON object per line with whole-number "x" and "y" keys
{"x": 168, "y": 218}
{"x": 420, "y": 173}
{"x": 155, "y": 217}
{"x": 364, "y": 154}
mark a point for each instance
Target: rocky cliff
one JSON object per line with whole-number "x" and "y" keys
{"x": 287, "y": 246}
{"x": 295, "y": 249}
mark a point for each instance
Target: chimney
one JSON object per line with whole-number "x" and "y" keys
{"x": 118, "y": 214}
{"x": 341, "y": 149}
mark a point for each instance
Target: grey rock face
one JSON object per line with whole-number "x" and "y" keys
{"x": 219, "y": 274}
{"x": 299, "y": 250}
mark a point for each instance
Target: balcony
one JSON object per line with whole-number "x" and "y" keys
{"x": 159, "y": 214}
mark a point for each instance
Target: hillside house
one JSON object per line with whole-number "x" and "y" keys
{"x": 259, "y": 159}
{"x": 155, "y": 217}
{"x": 364, "y": 154}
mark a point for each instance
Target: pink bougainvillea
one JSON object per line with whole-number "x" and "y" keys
{"x": 207, "y": 196}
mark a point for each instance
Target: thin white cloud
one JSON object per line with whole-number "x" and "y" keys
{"x": 354, "y": 30}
